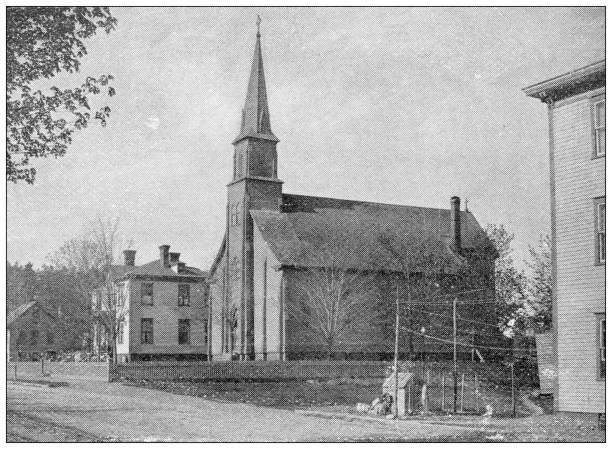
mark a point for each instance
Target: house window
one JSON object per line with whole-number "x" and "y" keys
{"x": 601, "y": 346}
{"x": 50, "y": 338}
{"x": 120, "y": 298}
{"x": 183, "y": 295}
{"x": 599, "y": 126}
{"x": 146, "y": 331}
{"x": 600, "y": 230}
{"x": 120, "y": 331}
{"x": 184, "y": 328}
{"x": 33, "y": 337}
{"x": 21, "y": 339}
{"x": 146, "y": 293}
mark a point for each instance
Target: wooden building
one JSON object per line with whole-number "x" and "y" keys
{"x": 577, "y": 136}
{"x": 31, "y": 332}
{"x": 162, "y": 309}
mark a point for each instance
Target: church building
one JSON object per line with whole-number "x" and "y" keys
{"x": 276, "y": 245}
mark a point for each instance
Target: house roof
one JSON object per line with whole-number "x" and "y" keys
{"x": 580, "y": 80}
{"x": 117, "y": 271}
{"x": 156, "y": 269}
{"x": 308, "y": 228}
{"x": 21, "y": 310}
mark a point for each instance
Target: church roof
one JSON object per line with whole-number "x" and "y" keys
{"x": 308, "y": 226}
{"x": 256, "y": 115}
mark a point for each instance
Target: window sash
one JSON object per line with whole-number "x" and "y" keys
{"x": 184, "y": 294}
{"x": 600, "y": 114}
{"x": 600, "y": 141}
{"x": 599, "y": 126}
{"x": 602, "y": 347}
{"x": 600, "y": 227}
{"x": 120, "y": 332}
{"x": 146, "y": 331}
{"x": 184, "y": 332}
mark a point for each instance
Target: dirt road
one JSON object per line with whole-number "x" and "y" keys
{"x": 98, "y": 411}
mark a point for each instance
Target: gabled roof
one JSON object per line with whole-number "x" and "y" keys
{"x": 308, "y": 226}
{"x": 21, "y": 310}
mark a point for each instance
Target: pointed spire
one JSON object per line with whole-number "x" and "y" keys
{"x": 256, "y": 115}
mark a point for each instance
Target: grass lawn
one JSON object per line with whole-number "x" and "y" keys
{"x": 282, "y": 394}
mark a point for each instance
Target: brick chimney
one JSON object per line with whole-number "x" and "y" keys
{"x": 455, "y": 213}
{"x": 174, "y": 258}
{"x": 129, "y": 257}
{"x": 164, "y": 255}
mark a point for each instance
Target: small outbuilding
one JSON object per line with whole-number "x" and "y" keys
{"x": 30, "y": 332}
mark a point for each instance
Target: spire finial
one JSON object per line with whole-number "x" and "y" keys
{"x": 258, "y": 22}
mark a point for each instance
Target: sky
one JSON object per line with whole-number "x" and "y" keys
{"x": 393, "y": 105}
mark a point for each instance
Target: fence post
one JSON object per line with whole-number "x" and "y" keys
{"x": 462, "y": 389}
{"x": 42, "y": 366}
{"x": 15, "y": 373}
{"x": 513, "y": 395}
{"x": 410, "y": 397}
{"x": 476, "y": 403}
{"x": 443, "y": 392}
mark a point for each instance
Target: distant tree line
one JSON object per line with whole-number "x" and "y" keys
{"x": 64, "y": 285}
{"x": 523, "y": 298}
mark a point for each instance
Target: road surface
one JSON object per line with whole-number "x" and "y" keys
{"x": 93, "y": 410}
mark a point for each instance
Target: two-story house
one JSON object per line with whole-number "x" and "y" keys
{"x": 577, "y": 139}
{"x": 160, "y": 308}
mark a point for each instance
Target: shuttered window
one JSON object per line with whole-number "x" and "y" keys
{"x": 600, "y": 230}
{"x": 599, "y": 126}
{"x": 601, "y": 346}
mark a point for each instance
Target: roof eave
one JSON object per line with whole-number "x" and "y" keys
{"x": 570, "y": 81}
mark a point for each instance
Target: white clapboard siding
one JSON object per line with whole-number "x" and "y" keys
{"x": 580, "y": 282}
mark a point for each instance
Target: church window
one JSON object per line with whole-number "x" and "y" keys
{"x": 235, "y": 214}
{"x": 240, "y": 165}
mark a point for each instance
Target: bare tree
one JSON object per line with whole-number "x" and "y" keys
{"x": 91, "y": 256}
{"x": 338, "y": 291}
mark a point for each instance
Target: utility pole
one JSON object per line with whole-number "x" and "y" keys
{"x": 455, "y": 355}
{"x": 396, "y": 356}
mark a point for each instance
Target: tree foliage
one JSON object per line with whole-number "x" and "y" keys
{"x": 42, "y": 42}
{"x": 538, "y": 307}
{"x": 510, "y": 282}
{"x": 87, "y": 261}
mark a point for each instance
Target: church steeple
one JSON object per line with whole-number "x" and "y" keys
{"x": 256, "y": 115}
